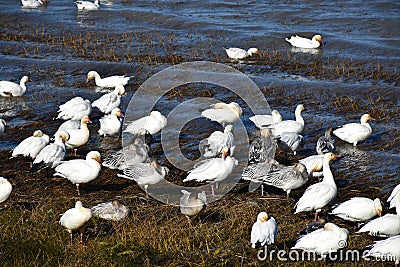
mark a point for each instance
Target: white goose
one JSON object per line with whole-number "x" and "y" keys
{"x": 5, "y": 189}
{"x": 107, "y": 102}
{"x": 213, "y": 145}
{"x": 239, "y": 53}
{"x": 296, "y": 126}
{"x": 302, "y": 42}
{"x": 261, "y": 120}
{"x": 191, "y": 206}
{"x": 358, "y": 209}
{"x": 110, "y": 124}
{"x": 3, "y": 125}
{"x": 111, "y": 81}
{"x": 153, "y": 123}
{"x": 74, "y": 109}
{"x": 290, "y": 142}
{"x": 263, "y": 147}
{"x": 213, "y": 170}
{"x": 264, "y": 230}
{"x": 80, "y": 171}
{"x": 31, "y": 146}
{"x": 76, "y": 219}
{"x": 355, "y": 132}
{"x": 313, "y": 164}
{"x": 78, "y": 137}
{"x": 326, "y": 143}
{"x": 385, "y": 249}
{"x": 10, "y": 89}
{"x": 323, "y": 241}
{"x": 69, "y": 125}
{"x": 33, "y": 3}
{"x": 53, "y": 154}
{"x": 86, "y": 5}
{"x": 145, "y": 174}
{"x": 391, "y": 198}
{"x": 113, "y": 211}
{"x": 320, "y": 194}
{"x": 223, "y": 113}
{"x": 385, "y": 226}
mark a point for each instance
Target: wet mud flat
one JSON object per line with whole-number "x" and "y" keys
{"x": 334, "y": 90}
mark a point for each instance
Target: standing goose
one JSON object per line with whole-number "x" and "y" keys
{"x": 114, "y": 210}
{"x": 80, "y": 171}
{"x": 239, "y": 53}
{"x": 391, "y": 198}
{"x": 109, "y": 82}
{"x": 223, "y": 113}
{"x": 264, "y": 230}
{"x": 10, "y": 89}
{"x": 53, "y": 154}
{"x": 76, "y": 219}
{"x": 5, "y": 189}
{"x": 290, "y": 142}
{"x": 355, "y": 132}
{"x": 262, "y": 147}
{"x": 191, "y": 206}
{"x": 78, "y": 137}
{"x": 385, "y": 226}
{"x": 320, "y": 194}
{"x": 385, "y": 249}
{"x": 358, "y": 209}
{"x": 323, "y": 241}
{"x": 313, "y": 164}
{"x": 296, "y": 126}
{"x": 74, "y": 109}
{"x": 110, "y": 124}
{"x": 213, "y": 145}
{"x": 31, "y": 146}
{"x": 153, "y": 123}
{"x": 326, "y": 143}
{"x": 261, "y": 120}
{"x": 107, "y": 102}
{"x": 87, "y": 5}
{"x": 302, "y": 42}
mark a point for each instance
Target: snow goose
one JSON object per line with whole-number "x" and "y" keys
{"x": 107, "y": 102}
{"x": 80, "y": 171}
{"x": 31, "y": 146}
{"x": 213, "y": 145}
{"x": 69, "y": 125}
{"x": 355, "y": 132}
{"x": 52, "y": 154}
{"x": 239, "y": 53}
{"x": 391, "y": 198}
{"x": 264, "y": 230}
{"x": 358, "y": 209}
{"x": 113, "y": 211}
{"x": 261, "y": 120}
{"x": 191, "y": 206}
{"x": 290, "y": 142}
{"x": 213, "y": 170}
{"x": 74, "y": 109}
{"x": 76, "y": 218}
{"x": 3, "y": 125}
{"x": 10, "y": 89}
{"x": 78, "y": 137}
{"x": 145, "y": 174}
{"x": 312, "y": 226}
{"x": 320, "y": 194}
{"x": 326, "y": 143}
{"x": 323, "y": 241}
{"x": 110, "y": 124}
{"x": 87, "y": 5}
{"x": 313, "y": 164}
{"x": 152, "y": 123}
{"x": 263, "y": 147}
{"x": 296, "y": 126}
{"x": 223, "y": 113}
{"x": 5, "y": 189}
{"x": 302, "y": 42}
{"x": 111, "y": 81}
{"x": 33, "y": 3}
{"x": 385, "y": 226}
{"x": 134, "y": 153}
{"x": 388, "y": 249}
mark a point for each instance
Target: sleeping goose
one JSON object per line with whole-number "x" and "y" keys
{"x": 74, "y": 109}
{"x": 11, "y": 89}
{"x": 264, "y": 230}
{"x": 355, "y": 132}
{"x": 388, "y": 249}
{"x": 5, "y": 189}
{"x": 31, "y": 146}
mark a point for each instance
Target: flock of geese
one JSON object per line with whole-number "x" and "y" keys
{"x": 320, "y": 237}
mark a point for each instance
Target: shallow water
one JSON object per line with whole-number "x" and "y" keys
{"x": 57, "y": 46}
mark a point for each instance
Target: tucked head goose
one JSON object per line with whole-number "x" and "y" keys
{"x": 264, "y": 230}
{"x": 114, "y": 210}
{"x": 5, "y": 189}
{"x": 110, "y": 124}
{"x": 31, "y": 146}
{"x": 76, "y": 219}
{"x": 388, "y": 248}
